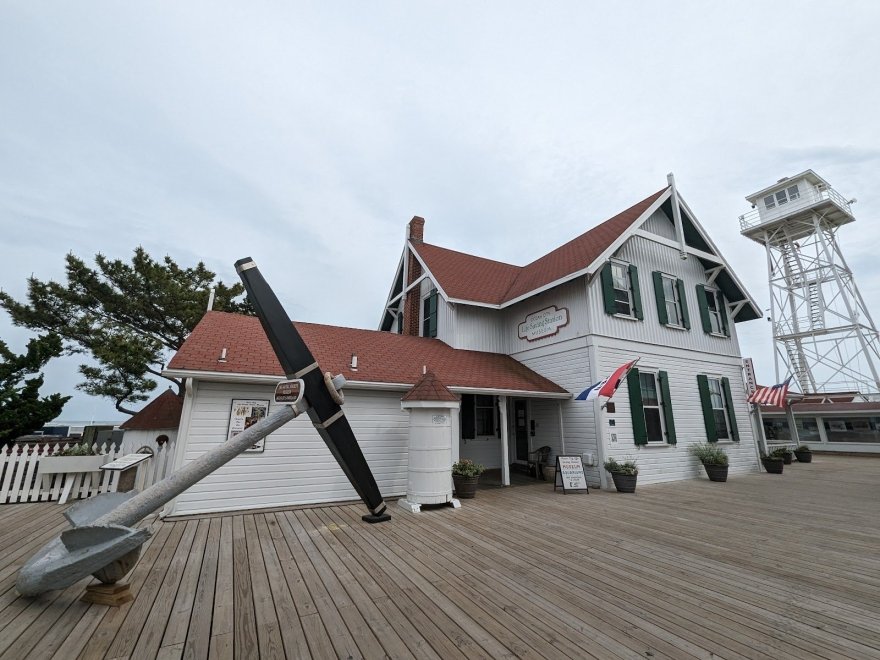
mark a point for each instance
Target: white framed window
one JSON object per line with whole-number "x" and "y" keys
{"x": 782, "y": 197}
{"x": 719, "y": 408}
{"x": 623, "y": 300}
{"x": 655, "y": 424}
{"x": 713, "y": 302}
{"x": 672, "y": 300}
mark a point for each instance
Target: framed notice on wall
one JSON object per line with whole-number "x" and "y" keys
{"x": 570, "y": 475}
{"x": 244, "y": 414}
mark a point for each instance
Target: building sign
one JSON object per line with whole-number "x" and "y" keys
{"x": 544, "y": 323}
{"x": 289, "y": 392}
{"x": 570, "y": 474}
{"x": 439, "y": 419}
{"x": 244, "y": 414}
{"x": 751, "y": 382}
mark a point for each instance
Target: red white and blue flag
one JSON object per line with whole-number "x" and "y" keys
{"x": 771, "y": 396}
{"x": 609, "y": 386}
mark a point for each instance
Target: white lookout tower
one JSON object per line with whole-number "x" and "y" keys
{"x": 823, "y": 332}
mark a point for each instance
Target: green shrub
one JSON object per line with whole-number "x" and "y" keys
{"x": 79, "y": 449}
{"x": 627, "y": 467}
{"x": 709, "y": 454}
{"x": 781, "y": 452}
{"x": 467, "y": 468}
{"x": 803, "y": 448}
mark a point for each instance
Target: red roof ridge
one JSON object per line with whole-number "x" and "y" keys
{"x": 479, "y": 279}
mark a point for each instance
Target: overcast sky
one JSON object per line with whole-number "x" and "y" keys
{"x": 307, "y": 135}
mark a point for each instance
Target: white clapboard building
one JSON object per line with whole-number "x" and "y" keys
{"x": 517, "y": 344}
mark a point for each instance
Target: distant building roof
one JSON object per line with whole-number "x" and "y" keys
{"x": 818, "y": 408}
{"x": 163, "y": 412}
{"x": 382, "y": 357}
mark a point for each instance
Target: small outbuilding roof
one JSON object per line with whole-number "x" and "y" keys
{"x": 382, "y": 357}
{"x": 163, "y": 412}
{"x": 429, "y": 388}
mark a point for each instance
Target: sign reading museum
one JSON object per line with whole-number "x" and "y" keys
{"x": 544, "y": 323}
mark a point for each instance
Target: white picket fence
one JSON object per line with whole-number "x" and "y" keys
{"x": 19, "y": 481}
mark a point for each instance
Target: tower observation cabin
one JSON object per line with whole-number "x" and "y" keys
{"x": 823, "y": 332}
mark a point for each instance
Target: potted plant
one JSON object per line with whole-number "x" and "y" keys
{"x": 804, "y": 454}
{"x": 624, "y": 475}
{"x": 465, "y": 476}
{"x": 785, "y": 454}
{"x": 713, "y": 458}
{"x": 773, "y": 463}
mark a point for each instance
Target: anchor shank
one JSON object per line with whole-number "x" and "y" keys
{"x": 162, "y": 492}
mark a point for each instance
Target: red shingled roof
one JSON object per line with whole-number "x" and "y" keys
{"x": 467, "y": 277}
{"x": 429, "y": 388}
{"x": 163, "y": 412}
{"x": 383, "y": 357}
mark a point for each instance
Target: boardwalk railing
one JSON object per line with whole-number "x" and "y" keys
{"x": 20, "y": 481}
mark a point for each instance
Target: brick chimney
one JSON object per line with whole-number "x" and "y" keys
{"x": 415, "y": 230}
{"x": 415, "y": 233}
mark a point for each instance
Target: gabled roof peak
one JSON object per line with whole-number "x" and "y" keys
{"x": 470, "y": 278}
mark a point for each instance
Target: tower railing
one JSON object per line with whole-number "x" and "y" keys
{"x": 807, "y": 198}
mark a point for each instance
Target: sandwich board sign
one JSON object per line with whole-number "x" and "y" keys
{"x": 570, "y": 475}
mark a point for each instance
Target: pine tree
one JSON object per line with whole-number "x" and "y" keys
{"x": 22, "y": 410}
{"x": 128, "y": 317}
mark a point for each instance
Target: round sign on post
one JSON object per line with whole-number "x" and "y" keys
{"x": 289, "y": 392}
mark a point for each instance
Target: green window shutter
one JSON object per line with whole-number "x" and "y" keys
{"x": 708, "y": 413}
{"x": 636, "y": 291}
{"x": 468, "y": 418}
{"x": 685, "y": 317}
{"x": 608, "y": 289}
{"x": 640, "y": 432}
{"x": 731, "y": 414}
{"x": 660, "y": 297}
{"x": 704, "y": 308}
{"x": 667, "y": 407}
{"x": 722, "y": 308}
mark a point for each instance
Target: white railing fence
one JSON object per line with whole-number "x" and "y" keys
{"x": 20, "y": 481}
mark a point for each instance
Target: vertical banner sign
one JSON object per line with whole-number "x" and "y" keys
{"x": 244, "y": 414}
{"x": 751, "y": 383}
{"x": 570, "y": 475}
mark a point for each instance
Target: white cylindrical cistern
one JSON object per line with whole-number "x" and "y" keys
{"x": 431, "y": 436}
{"x": 430, "y": 456}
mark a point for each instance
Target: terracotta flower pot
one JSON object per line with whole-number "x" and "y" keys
{"x": 716, "y": 472}
{"x": 465, "y": 487}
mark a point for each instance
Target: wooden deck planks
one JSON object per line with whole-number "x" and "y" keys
{"x": 763, "y": 566}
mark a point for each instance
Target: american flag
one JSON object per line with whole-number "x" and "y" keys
{"x": 771, "y": 396}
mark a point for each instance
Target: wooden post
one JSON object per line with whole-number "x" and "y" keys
{"x": 505, "y": 459}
